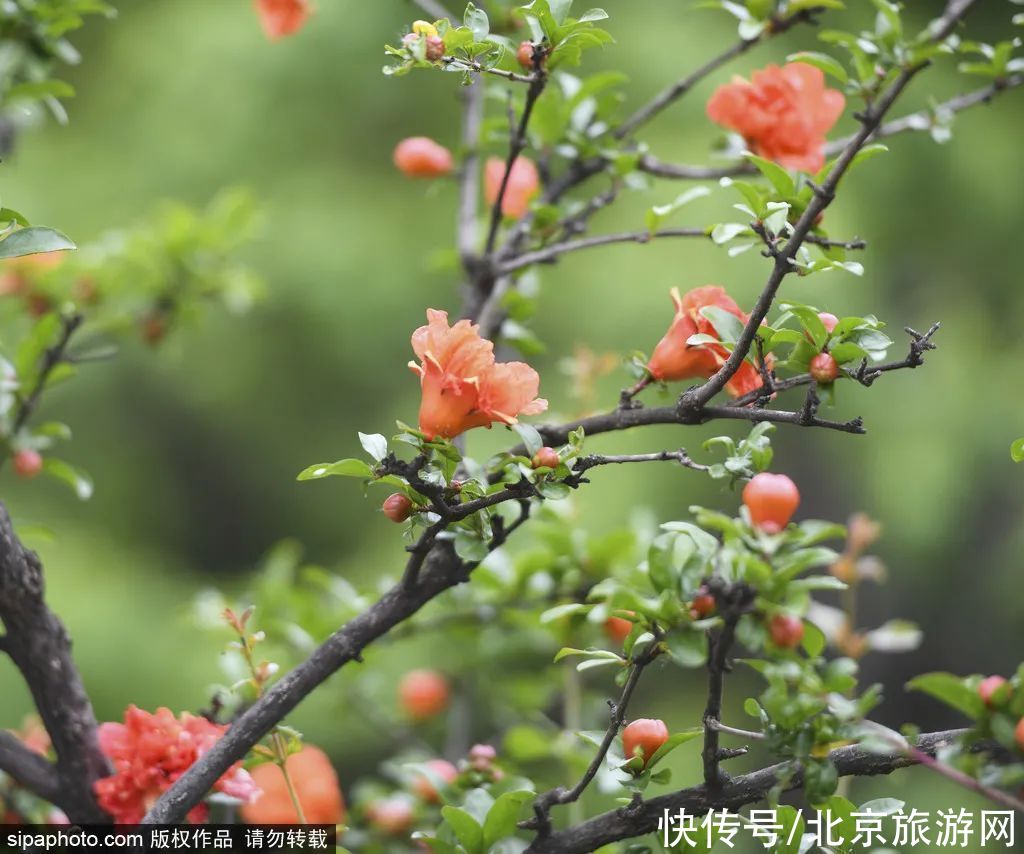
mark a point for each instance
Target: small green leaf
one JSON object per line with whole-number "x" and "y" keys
{"x": 823, "y": 61}
{"x": 375, "y": 445}
{"x": 1017, "y": 451}
{"x": 502, "y": 817}
{"x": 344, "y": 468}
{"x": 951, "y": 690}
{"x": 465, "y": 827}
{"x": 80, "y": 482}
{"x": 33, "y": 240}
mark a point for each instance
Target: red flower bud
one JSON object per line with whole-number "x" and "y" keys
{"x": 824, "y": 368}
{"x": 435, "y": 48}
{"x": 988, "y": 687}
{"x": 393, "y": 816}
{"x": 644, "y": 734}
{"x": 828, "y": 320}
{"x": 617, "y": 628}
{"x": 481, "y": 757}
{"x": 444, "y": 771}
{"x": 523, "y": 185}
{"x": 423, "y": 693}
{"x": 771, "y": 500}
{"x": 546, "y": 457}
{"x": 786, "y": 631}
{"x": 703, "y": 604}
{"x": 421, "y": 157}
{"x": 28, "y": 463}
{"x": 525, "y": 55}
{"x": 281, "y": 18}
{"x": 397, "y": 507}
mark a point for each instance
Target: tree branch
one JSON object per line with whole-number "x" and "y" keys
{"x": 694, "y": 399}
{"x": 549, "y": 254}
{"x": 541, "y": 822}
{"x": 28, "y": 769}
{"x": 469, "y": 176}
{"x": 639, "y": 819}
{"x": 39, "y": 646}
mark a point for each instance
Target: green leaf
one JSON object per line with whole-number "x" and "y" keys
{"x": 531, "y": 438}
{"x": 502, "y": 817}
{"x": 728, "y": 326}
{"x": 33, "y": 240}
{"x": 80, "y": 482}
{"x": 345, "y": 468}
{"x": 375, "y": 445}
{"x": 823, "y": 61}
{"x": 465, "y": 827}
{"x": 1017, "y": 451}
{"x": 780, "y": 178}
{"x": 38, "y": 89}
{"x": 593, "y": 15}
{"x": 951, "y": 690}
{"x": 476, "y": 20}
{"x": 673, "y": 742}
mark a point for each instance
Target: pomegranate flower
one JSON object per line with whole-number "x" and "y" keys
{"x": 462, "y": 385}
{"x": 281, "y": 18}
{"x": 674, "y": 359}
{"x": 782, "y": 113}
{"x": 149, "y": 751}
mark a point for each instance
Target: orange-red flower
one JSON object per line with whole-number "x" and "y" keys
{"x": 282, "y": 18}
{"x": 782, "y": 113}
{"x": 316, "y": 787}
{"x": 675, "y": 359}
{"x": 462, "y": 385}
{"x": 523, "y": 185}
{"x": 149, "y": 752}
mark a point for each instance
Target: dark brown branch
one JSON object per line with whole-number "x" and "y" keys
{"x": 638, "y": 819}
{"x": 28, "y": 769}
{"x": 516, "y": 146}
{"x": 865, "y": 375}
{"x": 52, "y": 357}
{"x": 592, "y": 460}
{"x": 39, "y": 646}
{"x": 922, "y": 120}
{"x": 694, "y": 399}
{"x": 681, "y": 87}
{"x": 626, "y": 418}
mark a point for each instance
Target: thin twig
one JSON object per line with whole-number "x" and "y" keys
{"x": 549, "y": 254}
{"x": 681, "y": 87}
{"x": 541, "y": 821}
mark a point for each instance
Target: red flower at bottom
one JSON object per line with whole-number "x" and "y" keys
{"x": 674, "y": 359}
{"x": 149, "y": 752}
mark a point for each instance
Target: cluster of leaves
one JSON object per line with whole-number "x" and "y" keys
{"x": 998, "y": 720}
{"x": 474, "y": 48}
{"x": 141, "y": 280}
{"x": 775, "y": 208}
{"x": 34, "y": 35}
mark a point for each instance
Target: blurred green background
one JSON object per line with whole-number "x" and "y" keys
{"x": 195, "y": 450}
